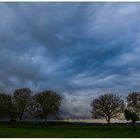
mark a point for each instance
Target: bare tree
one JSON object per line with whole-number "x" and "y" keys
{"x": 133, "y": 102}
{"x": 108, "y": 105}
{"x": 21, "y": 100}
{"x": 48, "y": 103}
{"x": 5, "y": 105}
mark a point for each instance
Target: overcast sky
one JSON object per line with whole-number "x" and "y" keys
{"x": 80, "y": 50}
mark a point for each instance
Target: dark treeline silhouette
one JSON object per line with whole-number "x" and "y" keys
{"x": 47, "y": 103}
{"x": 23, "y": 102}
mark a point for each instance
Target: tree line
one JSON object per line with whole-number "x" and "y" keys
{"x": 45, "y": 103}
{"x": 112, "y": 106}
{"x": 23, "y": 102}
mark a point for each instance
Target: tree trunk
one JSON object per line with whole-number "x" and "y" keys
{"x": 20, "y": 120}
{"x": 46, "y": 123}
{"x": 108, "y": 123}
{"x": 134, "y": 124}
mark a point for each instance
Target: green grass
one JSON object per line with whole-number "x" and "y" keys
{"x": 68, "y": 131}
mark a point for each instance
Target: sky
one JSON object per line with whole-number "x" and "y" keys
{"x": 80, "y": 50}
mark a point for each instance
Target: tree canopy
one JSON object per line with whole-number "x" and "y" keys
{"x": 48, "y": 103}
{"x": 21, "y": 100}
{"x": 133, "y": 116}
{"x": 108, "y": 105}
{"x": 133, "y": 102}
{"x": 5, "y": 105}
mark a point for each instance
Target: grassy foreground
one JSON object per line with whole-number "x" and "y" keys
{"x": 68, "y": 131}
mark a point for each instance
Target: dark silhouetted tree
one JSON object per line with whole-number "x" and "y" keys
{"x": 108, "y": 106}
{"x": 133, "y": 116}
{"x": 133, "y": 108}
{"x": 133, "y": 102}
{"x": 21, "y": 100}
{"x": 47, "y": 103}
{"x": 5, "y": 105}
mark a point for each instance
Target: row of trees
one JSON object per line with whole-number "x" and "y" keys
{"x": 23, "y": 102}
{"x": 112, "y": 106}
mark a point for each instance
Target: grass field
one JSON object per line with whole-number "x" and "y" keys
{"x": 64, "y": 130}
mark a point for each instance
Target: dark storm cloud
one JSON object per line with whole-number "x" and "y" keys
{"x": 80, "y": 50}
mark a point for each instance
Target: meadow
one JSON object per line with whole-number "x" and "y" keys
{"x": 67, "y": 130}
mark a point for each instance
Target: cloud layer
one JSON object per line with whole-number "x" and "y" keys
{"x": 80, "y": 50}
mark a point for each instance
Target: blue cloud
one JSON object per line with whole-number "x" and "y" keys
{"x": 80, "y": 50}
